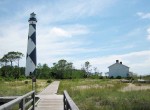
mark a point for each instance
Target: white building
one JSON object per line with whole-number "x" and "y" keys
{"x": 118, "y": 69}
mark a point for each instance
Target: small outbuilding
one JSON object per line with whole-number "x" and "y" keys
{"x": 118, "y": 69}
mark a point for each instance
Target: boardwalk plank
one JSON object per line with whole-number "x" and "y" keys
{"x": 49, "y": 100}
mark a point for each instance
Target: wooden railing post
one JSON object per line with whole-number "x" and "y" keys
{"x": 69, "y": 103}
{"x": 67, "y": 106}
{"x": 21, "y": 104}
{"x": 33, "y": 102}
{"x": 64, "y": 102}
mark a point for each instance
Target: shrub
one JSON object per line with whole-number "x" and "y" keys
{"x": 1, "y": 79}
{"x": 129, "y": 78}
{"x": 111, "y": 77}
{"x": 118, "y": 77}
{"x": 94, "y": 76}
{"x": 26, "y": 82}
{"x": 9, "y": 79}
{"x": 22, "y": 78}
{"x": 49, "y": 81}
{"x": 100, "y": 77}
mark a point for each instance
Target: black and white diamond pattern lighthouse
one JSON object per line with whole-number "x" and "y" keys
{"x": 31, "y": 48}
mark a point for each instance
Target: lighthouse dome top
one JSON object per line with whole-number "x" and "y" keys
{"x": 32, "y": 17}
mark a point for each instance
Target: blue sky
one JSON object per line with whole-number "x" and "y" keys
{"x": 98, "y": 31}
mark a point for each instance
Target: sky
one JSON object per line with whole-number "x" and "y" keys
{"x": 98, "y": 31}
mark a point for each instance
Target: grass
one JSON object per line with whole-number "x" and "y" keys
{"x": 16, "y": 88}
{"x": 104, "y": 94}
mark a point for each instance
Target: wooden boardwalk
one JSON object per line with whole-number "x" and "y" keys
{"x": 49, "y": 100}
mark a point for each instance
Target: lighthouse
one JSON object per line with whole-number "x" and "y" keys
{"x": 31, "y": 46}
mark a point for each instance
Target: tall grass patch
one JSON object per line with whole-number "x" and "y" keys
{"x": 105, "y": 94}
{"x": 16, "y": 88}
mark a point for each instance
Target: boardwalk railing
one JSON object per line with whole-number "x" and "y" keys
{"x": 23, "y": 101}
{"x": 69, "y": 103}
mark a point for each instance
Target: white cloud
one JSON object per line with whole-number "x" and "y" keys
{"x": 58, "y": 32}
{"x": 51, "y": 12}
{"x": 137, "y": 61}
{"x": 77, "y": 29}
{"x": 58, "y": 40}
{"x": 67, "y": 31}
{"x": 13, "y": 38}
{"x": 82, "y": 8}
{"x": 55, "y": 40}
{"x": 143, "y": 15}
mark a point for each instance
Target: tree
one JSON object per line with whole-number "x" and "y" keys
{"x": 87, "y": 66}
{"x": 95, "y": 70}
{"x": 78, "y": 73}
{"x": 107, "y": 74}
{"x": 68, "y": 70}
{"x": 4, "y": 59}
{"x": 62, "y": 69}
{"x": 11, "y": 71}
{"x": 45, "y": 73}
{"x": 11, "y": 57}
{"x": 6, "y": 71}
{"x": 18, "y": 56}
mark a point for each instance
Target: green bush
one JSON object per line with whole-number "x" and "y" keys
{"x": 26, "y": 82}
{"x": 118, "y": 77}
{"x": 1, "y": 79}
{"x": 111, "y": 77}
{"x": 22, "y": 78}
{"x": 129, "y": 78}
{"x": 49, "y": 81}
{"x": 9, "y": 79}
{"x": 101, "y": 77}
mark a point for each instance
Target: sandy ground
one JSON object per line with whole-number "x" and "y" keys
{"x": 93, "y": 86}
{"x": 88, "y": 87}
{"x": 132, "y": 87}
{"x": 129, "y": 87}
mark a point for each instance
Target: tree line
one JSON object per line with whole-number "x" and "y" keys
{"x": 60, "y": 70}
